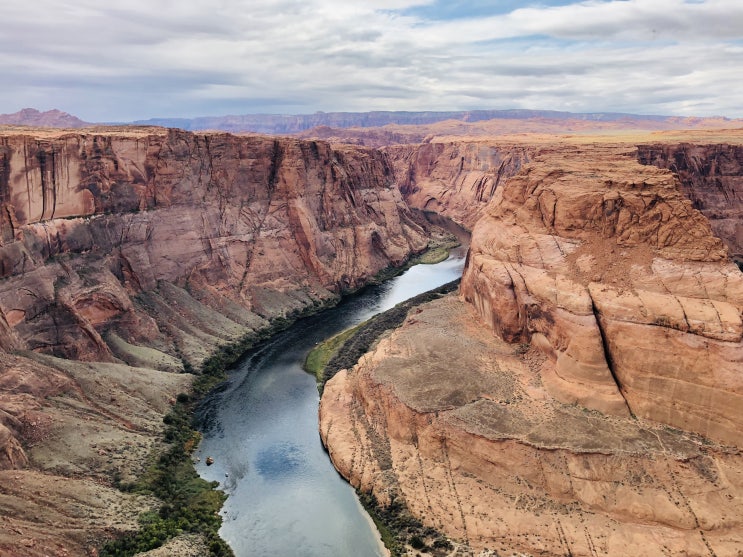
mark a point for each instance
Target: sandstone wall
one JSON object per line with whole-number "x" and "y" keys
{"x": 606, "y": 266}
{"x": 457, "y": 425}
{"x": 269, "y": 225}
{"x": 456, "y": 179}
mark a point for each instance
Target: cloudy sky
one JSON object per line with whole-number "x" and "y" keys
{"x": 106, "y": 60}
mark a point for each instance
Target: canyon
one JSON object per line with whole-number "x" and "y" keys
{"x": 580, "y": 394}
{"x": 131, "y": 255}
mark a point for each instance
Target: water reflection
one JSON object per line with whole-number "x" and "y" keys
{"x": 285, "y": 498}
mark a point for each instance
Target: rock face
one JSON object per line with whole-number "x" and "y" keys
{"x": 74, "y": 428}
{"x": 492, "y": 460}
{"x": 610, "y": 270}
{"x": 603, "y": 416}
{"x": 136, "y": 253}
{"x": 456, "y": 179}
{"x": 712, "y": 177}
{"x": 267, "y": 226}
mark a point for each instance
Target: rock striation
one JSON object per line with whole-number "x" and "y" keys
{"x": 583, "y": 395}
{"x": 495, "y": 462}
{"x": 613, "y": 273}
{"x": 263, "y": 226}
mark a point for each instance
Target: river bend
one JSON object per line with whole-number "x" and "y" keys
{"x": 260, "y": 427}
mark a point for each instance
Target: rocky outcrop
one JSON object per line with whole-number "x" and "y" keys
{"x": 76, "y": 429}
{"x": 458, "y": 426}
{"x": 592, "y": 262}
{"x": 156, "y": 246}
{"x": 456, "y": 179}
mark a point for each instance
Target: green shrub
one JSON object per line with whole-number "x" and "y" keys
{"x": 416, "y": 542}
{"x": 190, "y": 503}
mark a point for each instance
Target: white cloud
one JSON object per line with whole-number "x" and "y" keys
{"x": 141, "y": 58}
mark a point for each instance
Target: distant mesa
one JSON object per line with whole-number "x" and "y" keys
{"x": 49, "y": 119}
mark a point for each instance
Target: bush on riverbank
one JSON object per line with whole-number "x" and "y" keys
{"x": 399, "y": 529}
{"x": 190, "y": 503}
{"x": 357, "y": 344}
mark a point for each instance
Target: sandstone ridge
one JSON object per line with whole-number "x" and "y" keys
{"x": 613, "y": 273}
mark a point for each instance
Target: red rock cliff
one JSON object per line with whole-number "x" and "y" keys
{"x": 271, "y": 225}
{"x": 606, "y": 266}
{"x": 129, "y": 254}
{"x": 456, "y": 179}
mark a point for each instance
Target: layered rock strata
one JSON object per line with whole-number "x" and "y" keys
{"x": 456, "y": 179}
{"x": 104, "y": 234}
{"x": 75, "y": 430}
{"x": 459, "y": 426}
{"x": 583, "y": 396}
{"x": 129, "y": 254}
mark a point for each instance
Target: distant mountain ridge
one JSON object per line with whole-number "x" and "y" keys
{"x": 290, "y": 124}
{"x": 296, "y": 123}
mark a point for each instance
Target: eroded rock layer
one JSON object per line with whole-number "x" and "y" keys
{"x": 583, "y": 395}
{"x": 116, "y": 229}
{"x": 606, "y": 265}
{"x": 129, "y": 254}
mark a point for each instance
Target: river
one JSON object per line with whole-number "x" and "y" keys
{"x": 260, "y": 427}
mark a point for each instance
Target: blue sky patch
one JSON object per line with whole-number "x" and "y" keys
{"x": 444, "y": 10}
